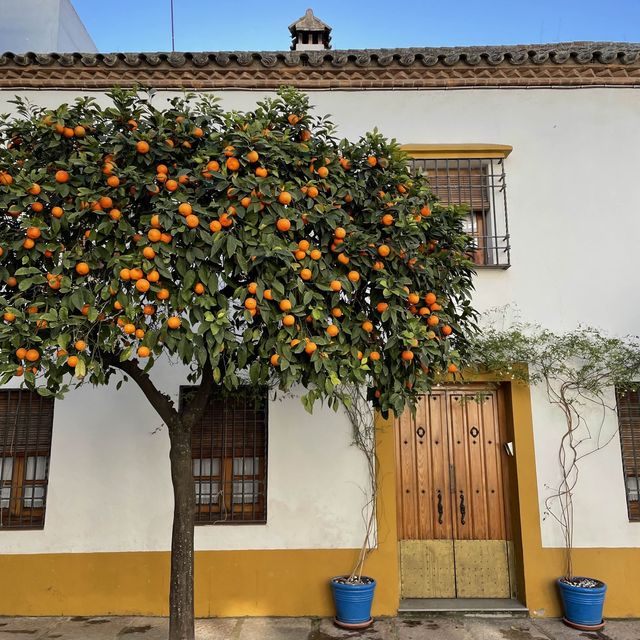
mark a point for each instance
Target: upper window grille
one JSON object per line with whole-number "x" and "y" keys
{"x": 229, "y": 451}
{"x": 478, "y": 184}
{"x": 26, "y": 421}
{"x": 629, "y": 425}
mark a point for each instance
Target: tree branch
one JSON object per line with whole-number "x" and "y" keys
{"x": 161, "y": 402}
{"x": 193, "y": 410}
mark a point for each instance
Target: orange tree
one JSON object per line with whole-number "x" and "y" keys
{"x": 251, "y": 246}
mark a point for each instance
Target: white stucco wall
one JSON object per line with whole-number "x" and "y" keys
{"x": 574, "y": 220}
{"x": 42, "y": 26}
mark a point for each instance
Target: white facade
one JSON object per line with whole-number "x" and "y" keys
{"x": 42, "y": 26}
{"x": 574, "y": 221}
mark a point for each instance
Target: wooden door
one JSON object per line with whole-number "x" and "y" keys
{"x": 452, "y": 496}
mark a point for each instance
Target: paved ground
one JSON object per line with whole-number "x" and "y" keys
{"x": 434, "y": 628}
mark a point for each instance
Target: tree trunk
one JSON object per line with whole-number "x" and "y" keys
{"x": 181, "y": 620}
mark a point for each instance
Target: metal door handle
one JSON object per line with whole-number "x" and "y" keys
{"x": 440, "y": 507}
{"x": 463, "y": 509}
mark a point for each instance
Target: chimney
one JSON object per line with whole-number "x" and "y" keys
{"x": 310, "y": 34}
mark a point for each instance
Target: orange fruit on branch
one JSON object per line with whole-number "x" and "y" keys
{"x": 284, "y": 197}
{"x": 333, "y": 330}
{"x": 142, "y": 285}
{"x": 283, "y": 224}
{"x": 142, "y": 147}
{"x": 32, "y": 355}
{"x": 82, "y": 268}
{"x": 62, "y": 176}
{"x": 192, "y": 221}
{"x": 174, "y": 322}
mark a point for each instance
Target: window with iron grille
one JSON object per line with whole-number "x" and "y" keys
{"x": 629, "y": 425}
{"x": 480, "y": 185}
{"x": 26, "y": 421}
{"x": 229, "y": 450}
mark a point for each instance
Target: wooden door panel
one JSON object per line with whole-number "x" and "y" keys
{"x": 406, "y": 492}
{"x": 436, "y": 441}
{"x": 492, "y": 454}
{"x": 476, "y": 455}
{"x": 424, "y": 499}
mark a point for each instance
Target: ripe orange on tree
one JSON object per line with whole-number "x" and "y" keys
{"x": 143, "y": 285}
{"x": 283, "y": 224}
{"x": 62, "y": 176}
{"x": 142, "y": 147}
{"x": 82, "y": 268}
{"x": 284, "y": 197}
{"x": 174, "y": 322}
{"x": 192, "y": 221}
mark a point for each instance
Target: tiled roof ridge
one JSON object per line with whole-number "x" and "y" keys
{"x": 553, "y": 53}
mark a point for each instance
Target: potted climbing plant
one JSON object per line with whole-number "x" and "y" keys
{"x": 579, "y": 370}
{"x": 353, "y": 593}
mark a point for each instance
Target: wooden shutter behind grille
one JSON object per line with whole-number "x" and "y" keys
{"x": 26, "y": 419}
{"x": 629, "y": 424}
{"x": 231, "y": 426}
{"x": 457, "y": 182}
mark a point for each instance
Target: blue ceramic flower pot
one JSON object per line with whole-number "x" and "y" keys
{"x": 353, "y": 601}
{"x": 582, "y": 605}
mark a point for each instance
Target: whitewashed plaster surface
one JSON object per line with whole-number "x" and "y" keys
{"x": 574, "y": 218}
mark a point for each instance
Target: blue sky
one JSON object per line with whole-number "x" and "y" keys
{"x": 214, "y": 25}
